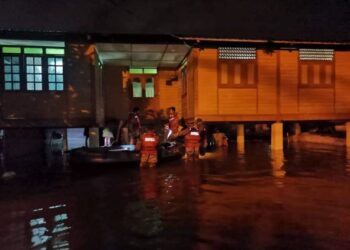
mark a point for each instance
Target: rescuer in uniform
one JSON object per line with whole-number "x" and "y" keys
{"x": 149, "y": 142}
{"x": 192, "y": 141}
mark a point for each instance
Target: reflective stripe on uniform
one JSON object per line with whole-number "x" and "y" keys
{"x": 150, "y": 139}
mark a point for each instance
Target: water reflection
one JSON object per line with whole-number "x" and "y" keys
{"x": 241, "y": 152}
{"x": 149, "y": 184}
{"x": 226, "y": 200}
{"x": 347, "y": 164}
{"x": 49, "y": 228}
{"x": 277, "y": 162}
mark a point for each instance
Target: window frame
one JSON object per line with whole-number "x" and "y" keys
{"x": 23, "y": 68}
{"x": 230, "y": 79}
{"x": 135, "y": 80}
{"x": 153, "y": 86}
{"x": 142, "y": 79}
{"x": 311, "y": 63}
{"x": 2, "y": 72}
{"x": 55, "y": 57}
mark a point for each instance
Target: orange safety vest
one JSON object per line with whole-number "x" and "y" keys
{"x": 192, "y": 139}
{"x": 149, "y": 142}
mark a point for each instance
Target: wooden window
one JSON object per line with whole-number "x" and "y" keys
{"x": 251, "y": 74}
{"x": 316, "y": 74}
{"x": 328, "y": 71}
{"x": 237, "y": 73}
{"x": 316, "y": 67}
{"x": 237, "y": 67}
{"x": 223, "y": 73}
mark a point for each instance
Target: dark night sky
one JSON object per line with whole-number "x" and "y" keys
{"x": 308, "y": 20}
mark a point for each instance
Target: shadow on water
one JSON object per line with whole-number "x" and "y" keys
{"x": 242, "y": 197}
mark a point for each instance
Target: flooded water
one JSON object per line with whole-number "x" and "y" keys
{"x": 243, "y": 197}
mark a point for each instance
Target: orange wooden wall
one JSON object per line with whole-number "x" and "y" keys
{"x": 168, "y": 95}
{"x": 188, "y": 93}
{"x": 342, "y": 87}
{"x": 289, "y": 82}
{"x": 277, "y": 95}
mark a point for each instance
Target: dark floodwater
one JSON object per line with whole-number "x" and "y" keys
{"x": 239, "y": 198}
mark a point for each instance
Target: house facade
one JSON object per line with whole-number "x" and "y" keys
{"x": 251, "y": 84}
{"x": 60, "y": 84}
{"x": 89, "y": 70}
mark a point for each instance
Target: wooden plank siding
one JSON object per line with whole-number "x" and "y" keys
{"x": 342, "y": 86}
{"x": 207, "y": 98}
{"x": 316, "y": 101}
{"x": 267, "y": 83}
{"x": 237, "y": 101}
{"x": 168, "y": 95}
{"x": 277, "y": 95}
{"x": 288, "y": 82}
{"x": 191, "y": 83}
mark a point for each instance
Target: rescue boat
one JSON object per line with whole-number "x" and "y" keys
{"x": 122, "y": 154}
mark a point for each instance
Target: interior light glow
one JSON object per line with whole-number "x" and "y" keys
{"x": 11, "y": 50}
{"x": 135, "y": 70}
{"x": 150, "y": 71}
{"x": 54, "y": 51}
{"x": 33, "y": 51}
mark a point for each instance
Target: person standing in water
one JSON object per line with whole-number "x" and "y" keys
{"x": 149, "y": 142}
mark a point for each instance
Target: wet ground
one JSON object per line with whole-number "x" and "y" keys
{"x": 239, "y": 198}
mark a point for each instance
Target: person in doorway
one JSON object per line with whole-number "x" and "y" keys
{"x": 134, "y": 125}
{"x": 192, "y": 141}
{"x": 173, "y": 123}
{"x": 86, "y": 134}
{"x": 149, "y": 142}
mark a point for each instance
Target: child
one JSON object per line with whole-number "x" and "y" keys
{"x": 149, "y": 142}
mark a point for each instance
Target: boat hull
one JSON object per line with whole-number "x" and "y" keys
{"x": 118, "y": 155}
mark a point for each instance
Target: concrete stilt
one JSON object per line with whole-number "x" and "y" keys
{"x": 347, "y": 127}
{"x": 65, "y": 140}
{"x": 347, "y": 166}
{"x": 240, "y": 134}
{"x": 297, "y": 129}
{"x": 277, "y": 136}
{"x": 94, "y": 138}
{"x": 277, "y": 160}
{"x": 240, "y": 148}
